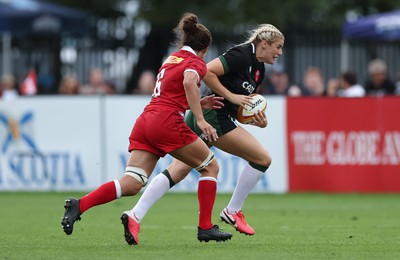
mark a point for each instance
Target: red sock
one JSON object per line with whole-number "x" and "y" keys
{"x": 206, "y": 193}
{"x": 103, "y": 194}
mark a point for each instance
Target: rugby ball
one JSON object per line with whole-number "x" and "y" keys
{"x": 246, "y": 115}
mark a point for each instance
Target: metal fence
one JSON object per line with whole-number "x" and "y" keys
{"x": 118, "y": 62}
{"x": 324, "y": 52}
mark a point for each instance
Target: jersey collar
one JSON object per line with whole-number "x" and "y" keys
{"x": 189, "y": 49}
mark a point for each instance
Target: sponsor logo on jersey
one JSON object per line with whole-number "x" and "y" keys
{"x": 248, "y": 87}
{"x": 257, "y": 75}
{"x": 173, "y": 60}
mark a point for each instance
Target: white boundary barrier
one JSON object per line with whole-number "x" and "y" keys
{"x": 77, "y": 143}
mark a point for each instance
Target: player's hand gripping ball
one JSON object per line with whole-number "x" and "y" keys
{"x": 246, "y": 115}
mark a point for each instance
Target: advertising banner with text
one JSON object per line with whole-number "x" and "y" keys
{"x": 344, "y": 145}
{"x": 49, "y": 143}
{"x": 77, "y": 143}
{"x": 121, "y": 113}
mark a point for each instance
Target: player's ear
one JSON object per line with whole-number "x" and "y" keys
{"x": 264, "y": 43}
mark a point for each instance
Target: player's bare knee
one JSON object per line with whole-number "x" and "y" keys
{"x": 208, "y": 160}
{"x": 213, "y": 167}
{"x": 129, "y": 185}
{"x": 209, "y": 167}
{"x": 265, "y": 160}
{"x": 211, "y": 170}
{"x": 134, "y": 179}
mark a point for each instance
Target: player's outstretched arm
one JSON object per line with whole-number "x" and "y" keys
{"x": 211, "y": 102}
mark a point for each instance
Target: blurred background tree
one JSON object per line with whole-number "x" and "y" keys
{"x": 228, "y": 14}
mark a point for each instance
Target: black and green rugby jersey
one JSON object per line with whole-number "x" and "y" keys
{"x": 243, "y": 73}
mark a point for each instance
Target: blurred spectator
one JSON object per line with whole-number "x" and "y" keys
{"x": 378, "y": 83}
{"x": 29, "y": 85}
{"x": 146, "y": 83}
{"x": 69, "y": 86}
{"x": 294, "y": 91}
{"x": 313, "y": 81}
{"x": 279, "y": 82}
{"x": 109, "y": 87}
{"x": 313, "y": 84}
{"x": 398, "y": 84}
{"x": 332, "y": 87}
{"x": 96, "y": 85}
{"x": 9, "y": 92}
{"x": 349, "y": 87}
{"x": 46, "y": 84}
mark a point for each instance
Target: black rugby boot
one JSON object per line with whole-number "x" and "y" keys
{"x": 71, "y": 214}
{"x": 214, "y": 233}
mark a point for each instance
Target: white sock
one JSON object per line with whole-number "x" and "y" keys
{"x": 118, "y": 188}
{"x": 156, "y": 189}
{"x": 246, "y": 182}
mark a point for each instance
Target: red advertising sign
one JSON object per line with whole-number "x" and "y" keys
{"x": 344, "y": 145}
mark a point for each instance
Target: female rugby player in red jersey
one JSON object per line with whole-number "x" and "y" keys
{"x": 234, "y": 75}
{"x": 161, "y": 129}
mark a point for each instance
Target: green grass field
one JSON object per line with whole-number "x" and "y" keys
{"x": 291, "y": 226}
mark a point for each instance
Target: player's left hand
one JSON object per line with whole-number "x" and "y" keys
{"x": 260, "y": 119}
{"x": 211, "y": 102}
{"x": 209, "y": 132}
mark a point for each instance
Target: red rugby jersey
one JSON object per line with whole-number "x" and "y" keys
{"x": 169, "y": 91}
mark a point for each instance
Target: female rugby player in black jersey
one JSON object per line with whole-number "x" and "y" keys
{"x": 234, "y": 75}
